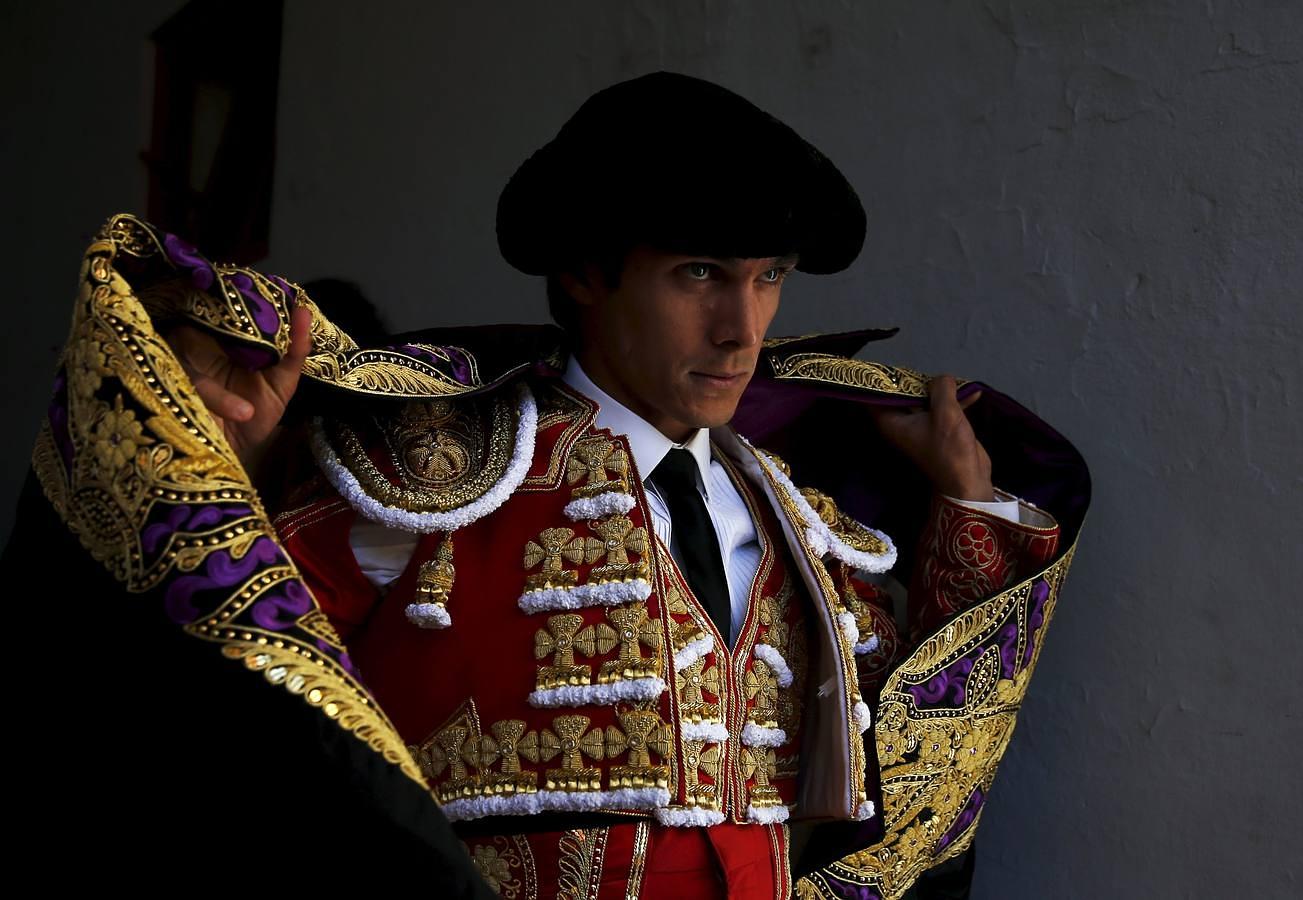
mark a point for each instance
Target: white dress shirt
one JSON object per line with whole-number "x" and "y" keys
{"x": 739, "y": 545}
{"x": 383, "y": 553}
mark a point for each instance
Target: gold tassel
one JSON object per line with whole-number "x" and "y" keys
{"x": 434, "y": 581}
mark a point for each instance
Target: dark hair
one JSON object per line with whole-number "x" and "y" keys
{"x": 561, "y": 306}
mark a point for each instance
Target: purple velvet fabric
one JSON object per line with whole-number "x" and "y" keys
{"x": 277, "y": 611}
{"x": 184, "y": 256}
{"x": 851, "y": 891}
{"x": 457, "y": 362}
{"x": 220, "y": 571}
{"x": 948, "y": 688}
{"x": 967, "y": 815}
{"x": 185, "y": 518}
{"x": 339, "y": 656}
{"x": 264, "y": 314}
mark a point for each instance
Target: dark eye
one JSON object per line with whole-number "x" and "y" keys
{"x": 698, "y": 271}
{"x": 773, "y": 276}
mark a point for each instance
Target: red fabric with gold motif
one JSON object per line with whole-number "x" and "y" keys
{"x": 965, "y": 555}
{"x": 557, "y": 686}
{"x": 641, "y": 859}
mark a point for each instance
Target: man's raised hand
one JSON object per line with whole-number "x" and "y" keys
{"x": 247, "y": 404}
{"x": 940, "y": 441}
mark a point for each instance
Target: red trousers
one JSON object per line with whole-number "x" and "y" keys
{"x": 638, "y": 860}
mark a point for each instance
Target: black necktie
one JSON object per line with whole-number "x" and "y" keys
{"x": 694, "y": 539}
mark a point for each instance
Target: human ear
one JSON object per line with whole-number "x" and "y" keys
{"x": 588, "y": 289}
{"x": 579, "y": 289}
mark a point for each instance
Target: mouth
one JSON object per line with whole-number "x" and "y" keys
{"x": 722, "y": 379}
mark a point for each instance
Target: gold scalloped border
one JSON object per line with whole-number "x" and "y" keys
{"x": 922, "y": 798}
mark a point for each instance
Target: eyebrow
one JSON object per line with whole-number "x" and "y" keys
{"x": 780, "y": 262}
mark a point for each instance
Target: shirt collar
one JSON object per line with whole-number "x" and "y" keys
{"x": 646, "y": 442}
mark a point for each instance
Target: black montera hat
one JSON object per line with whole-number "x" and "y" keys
{"x": 684, "y": 165}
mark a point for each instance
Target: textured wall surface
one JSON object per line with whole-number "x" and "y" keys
{"x": 1095, "y": 206}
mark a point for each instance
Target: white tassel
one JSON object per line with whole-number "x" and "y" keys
{"x": 867, "y": 646}
{"x": 528, "y": 804}
{"x": 692, "y": 651}
{"x": 346, "y": 483}
{"x": 689, "y": 818}
{"x": 754, "y": 735}
{"x": 865, "y": 810}
{"x": 767, "y": 815}
{"x": 775, "y": 661}
{"x": 851, "y": 631}
{"x": 863, "y": 717}
{"x": 598, "y": 694}
{"x": 428, "y": 615}
{"x": 608, "y": 504}
{"x": 704, "y": 731}
{"x": 611, "y": 593}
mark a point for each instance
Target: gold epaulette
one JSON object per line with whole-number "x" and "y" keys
{"x": 431, "y": 465}
{"x": 851, "y": 532}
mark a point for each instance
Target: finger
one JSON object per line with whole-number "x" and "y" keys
{"x": 970, "y": 399}
{"x": 300, "y": 334}
{"x": 284, "y": 376}
{"x": 221, "y": 402}
{"x": 942, "y": 392}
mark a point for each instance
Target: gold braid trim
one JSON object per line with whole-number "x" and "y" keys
{"x": 314, "y": 678}
{"x": 143, "y": 475}
{"x": 934, "y": 758}
{"x": 855, "y": 373}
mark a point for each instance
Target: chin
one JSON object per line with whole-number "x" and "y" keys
{"x": 716, "y": 416}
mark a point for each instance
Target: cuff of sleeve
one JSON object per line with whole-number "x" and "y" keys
{"x": 1010, "y": 508}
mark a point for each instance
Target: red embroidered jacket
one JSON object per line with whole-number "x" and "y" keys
{"x": 542, "y": 653}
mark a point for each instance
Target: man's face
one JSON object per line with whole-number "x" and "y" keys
{"x": 678, "y": 339}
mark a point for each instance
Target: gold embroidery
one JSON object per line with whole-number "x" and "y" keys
{"x": 451, "y": 740}
{"x": 433, "y": 451}
{"x": 698, "y": 759}
{"x": 458, "y": 759}
{"x": 878, "y": 377}
{"x": 856, "y": 536}
{"x": 618, "y": 538}
{"x": 693, "y": 680}
{"x": 317, "y": 623}
{"x": 644, "y": 733}
{"x": 581, "y": 856}
{"x": 552, "y": 546}
{"x": 762, "y": 687}
{"x": 675, "y": 602}
{"x": 143, "y": 449}
{"x": 761, "y": 763}
{"x": 435, "y": 579}
{"x": 633, "y": 629}
{"x": 556, "y": 406}
{"x": 562, "y": 637}
{"x": 601, "y": 465}
{"x": 934, "y": 759}
{"x": 508, "y": 734}
{"x": 387, "y": 373}
{"x": 569, "y": 737}
{"x": 637, "y": 861}
{"x": 447, "y": 453}
{"x": 501, "y": 865}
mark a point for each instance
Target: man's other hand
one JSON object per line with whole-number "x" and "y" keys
{"x": 940, "y": 441}
{"x": 247, "y": 404}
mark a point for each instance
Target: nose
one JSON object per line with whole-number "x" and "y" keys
{"x": 738, "y": 321}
